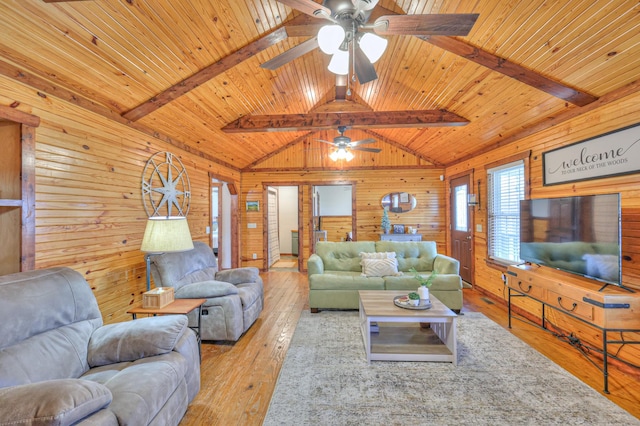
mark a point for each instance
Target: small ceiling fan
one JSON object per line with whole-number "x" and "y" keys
{"x": 344, "y": 145}
{"x": 351, "y": 40}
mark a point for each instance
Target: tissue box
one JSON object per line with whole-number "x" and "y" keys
{"x": 157, "y": 298}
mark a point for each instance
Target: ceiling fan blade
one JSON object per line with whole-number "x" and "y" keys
{"x": 309, "y": 7}
{"x": 323, "y": 141}
{"x": 364, "y": 69}
{"x": 366, "y": 149}
{"x": 291, "y": 54}
{"x": 453, "y": 24}
{"x": 363, "y": 142}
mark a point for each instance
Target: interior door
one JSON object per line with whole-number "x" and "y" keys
{"x": 272, "y": 223}
{"x": 461, "y": 238}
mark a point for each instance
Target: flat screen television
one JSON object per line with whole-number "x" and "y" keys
{"x": 578, "y": 234}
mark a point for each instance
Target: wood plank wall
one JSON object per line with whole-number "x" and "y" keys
{"x": 370, "y": 186}
{"x": 89, "y": 211}
{"x": 622, "y": 113}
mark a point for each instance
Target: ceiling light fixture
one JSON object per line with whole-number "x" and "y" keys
{"x": 341, "y": 154}
{"x": 335, "y": 40}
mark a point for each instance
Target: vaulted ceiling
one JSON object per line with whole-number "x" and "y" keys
{"x": 189, "y": 70}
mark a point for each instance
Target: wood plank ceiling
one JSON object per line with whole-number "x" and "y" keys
{"x": 190, "y": 70}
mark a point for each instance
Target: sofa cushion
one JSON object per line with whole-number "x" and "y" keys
{"x": 141, "y": 388}
{"x": 378, "y": 255}
{"x": 415, "y": 254}
{"x": 448, "y": 282}
{"x": 131, "y": 340}
{"x": 63, "y": 291}
{"x": 239, "y": 275}
{"x": 38, "y": 358}
{"x": 379, "y": 267}
{"x": 206, "y": 290}
{"x": 345, "y": 281}
{"x": 53, "y": 402}
{"x": 343, "y": 256}
{"x": 179, "y": 269}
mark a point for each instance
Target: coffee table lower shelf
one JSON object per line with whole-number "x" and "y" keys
{"x": 408, "y": 343}
{"x": 403, "y": 335}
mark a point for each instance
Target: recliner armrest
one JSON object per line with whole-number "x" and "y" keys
{"x": 315, "y": 265}
{"x": 64, "y": 401}
{"x": 248, "y": 274}
{"x": 133, "y": 340}
{"x": 206, "y": 290}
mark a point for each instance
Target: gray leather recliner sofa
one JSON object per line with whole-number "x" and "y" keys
{"x": 60, "y": 365}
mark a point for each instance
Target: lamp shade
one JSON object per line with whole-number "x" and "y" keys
{"x": 339, "y": 63}
{"x": 330, "y": 37}
{"x": 166, "y": 234}
{"x": 373, "y": 46}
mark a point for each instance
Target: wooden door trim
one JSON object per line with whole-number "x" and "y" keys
{"x": 471, "y": 217}
{"x": 234, "y": 214}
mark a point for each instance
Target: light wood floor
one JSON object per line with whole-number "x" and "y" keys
{"x": 238, "y": 379}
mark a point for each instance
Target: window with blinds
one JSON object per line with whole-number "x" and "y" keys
{"x": 505, "y": 190}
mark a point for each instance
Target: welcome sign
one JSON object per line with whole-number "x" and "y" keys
{"x": 611, "y": 154}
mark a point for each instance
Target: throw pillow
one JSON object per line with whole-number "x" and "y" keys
{"x": 379, "y": 267}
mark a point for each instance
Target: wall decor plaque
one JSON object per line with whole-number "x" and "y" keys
{"x": 166, "y": 190}
{"x": 611, "y": 154}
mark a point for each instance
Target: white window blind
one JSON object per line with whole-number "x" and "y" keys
{"x": 505, "y": 190}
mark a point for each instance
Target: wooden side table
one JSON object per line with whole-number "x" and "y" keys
{"x": 177, "y": 307}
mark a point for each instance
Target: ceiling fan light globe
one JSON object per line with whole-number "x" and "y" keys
{"x": 339, "y": 63}
{"x": 348, "y": 155}
{"x": 373, "y": 46}
{"x": 366, "y": 4}
{"x": 334, "y": 156}
{"x": 330, "y": 37}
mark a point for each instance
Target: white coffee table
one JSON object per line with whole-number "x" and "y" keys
{"x": 400, "y": 336}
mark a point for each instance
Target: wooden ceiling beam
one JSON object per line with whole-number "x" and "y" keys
{"x": 354, "y": 120}
{"x": 503, "y": 66}
{"x": 46, "y": 88}
{"x": 510, "y": 69}
{"x": 206, "y": 74}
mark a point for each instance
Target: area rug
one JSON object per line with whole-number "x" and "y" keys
{"x": 499, "y": 380}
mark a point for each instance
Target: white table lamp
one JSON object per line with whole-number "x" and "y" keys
{"x": 165, "y": 234}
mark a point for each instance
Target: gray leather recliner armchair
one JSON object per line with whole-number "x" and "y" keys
{"x": 235, "y": 297}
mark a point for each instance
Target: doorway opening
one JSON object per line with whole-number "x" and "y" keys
{"x": 283, "y": 244}
{"x": 223, "y": 223}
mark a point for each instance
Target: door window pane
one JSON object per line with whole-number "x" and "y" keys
{"x": 461, "y": 220}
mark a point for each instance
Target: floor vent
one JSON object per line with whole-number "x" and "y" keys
{"x": 487, "y": 300}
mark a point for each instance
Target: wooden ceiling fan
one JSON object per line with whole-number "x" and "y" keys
{"x": 345, "y": 143}
{"x": 353, "y": 16}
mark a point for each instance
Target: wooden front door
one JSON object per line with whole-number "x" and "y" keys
{"x": 461, "y": 239}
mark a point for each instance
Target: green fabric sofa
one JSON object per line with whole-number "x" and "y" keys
{"x": 335, "y": 273}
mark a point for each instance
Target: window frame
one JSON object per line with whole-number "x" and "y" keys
{"x": 496, "y": 166}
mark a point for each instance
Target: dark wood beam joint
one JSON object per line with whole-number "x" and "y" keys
{"x": 510, "y": 69}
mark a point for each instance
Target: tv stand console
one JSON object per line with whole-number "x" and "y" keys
{"x": 611, "y": 311}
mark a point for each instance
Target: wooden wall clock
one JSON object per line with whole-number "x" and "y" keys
{"x": 166, "y": 190}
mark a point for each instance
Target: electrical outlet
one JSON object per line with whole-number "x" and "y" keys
{"x": 504, "y": 279}
{"x": 255, "y": 255}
